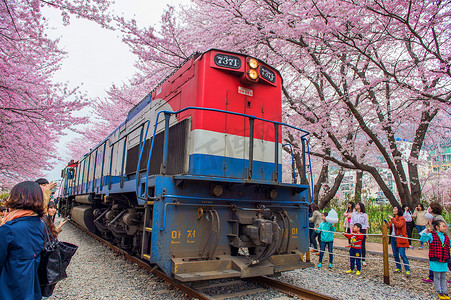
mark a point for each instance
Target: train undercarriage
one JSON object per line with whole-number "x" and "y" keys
{"x": 195, "y": 240}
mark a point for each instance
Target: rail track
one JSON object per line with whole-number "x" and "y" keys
{"x": 198, "y": 290}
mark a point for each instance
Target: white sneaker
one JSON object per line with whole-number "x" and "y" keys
{"x": 364, "y": 264}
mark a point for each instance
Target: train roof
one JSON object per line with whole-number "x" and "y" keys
{"x": 148, "y": 98}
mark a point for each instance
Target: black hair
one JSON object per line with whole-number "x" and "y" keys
{"x": 362, "y": 207}
{"x": 52, "y": 218}
{"x": 41, "y": 181}
{"x": 325, "y": 214}
{"x": 358, "y": 225}
{"x": 404, "y": 207}
{"x": 26, "y": 195}
{"x": 351, "y": 208}
{"x": 2, "y": 208}
{"x": 421, "y": 205}
{"x": 436, "y": 208}
{"x": 400, "y": 210}
{"x": 436, "y": 224}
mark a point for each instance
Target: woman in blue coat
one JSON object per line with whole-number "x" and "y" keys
{"x": 21, "y": 243}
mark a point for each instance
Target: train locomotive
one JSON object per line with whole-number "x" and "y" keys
{"x": 192, "y": 179}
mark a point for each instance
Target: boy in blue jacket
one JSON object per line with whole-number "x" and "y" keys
{"x": 326, "y": 230}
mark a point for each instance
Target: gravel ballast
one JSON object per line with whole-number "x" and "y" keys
{"x": 96, "y": 272}
{"x": 368, "y": 285}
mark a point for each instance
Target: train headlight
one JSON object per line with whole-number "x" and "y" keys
{"x": 217, "y": 190}
{"x": 253, "y": 63}
{"x": 253, "y": 74}
{"x": 272, "y": 194}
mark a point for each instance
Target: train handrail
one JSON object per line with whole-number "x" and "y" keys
{"x": 311, "y": 173}
{"x": 166, "y": 129}
{"x": 293, "y": 172}
{"x": 170, "y": 113}
{"x": 141, "y": 146}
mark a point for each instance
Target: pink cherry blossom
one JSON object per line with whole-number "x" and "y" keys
{"x": 34, "y": 110}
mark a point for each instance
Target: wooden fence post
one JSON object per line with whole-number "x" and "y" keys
{"x": 307, "y": 255}
{"x": 385, "y": 253}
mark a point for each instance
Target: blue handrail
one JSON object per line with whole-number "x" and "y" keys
{"x": 293, "y": 172}
{"x": 310, "y": 167}
{"x": 141, "y": 145}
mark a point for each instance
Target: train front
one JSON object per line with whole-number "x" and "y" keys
{"x": 229, "y": 214}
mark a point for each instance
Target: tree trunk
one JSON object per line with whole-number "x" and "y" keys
{"x": 322, "y": 179}
{"x": 414, "y": 178}
{"x": 331, "y": 193}
{"x": 358, "y": 186}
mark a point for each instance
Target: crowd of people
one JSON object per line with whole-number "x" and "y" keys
{"x": 429, "y": 223}
{"x": 22, "y": 236}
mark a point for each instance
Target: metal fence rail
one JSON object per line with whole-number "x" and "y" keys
{"x": 385, "y": 253}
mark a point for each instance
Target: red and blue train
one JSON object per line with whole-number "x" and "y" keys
{"x": 192, "y": 179}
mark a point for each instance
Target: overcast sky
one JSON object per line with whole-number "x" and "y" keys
{"x": 96, "y": 57}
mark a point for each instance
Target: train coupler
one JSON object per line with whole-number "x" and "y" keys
{"x": 226, "y": 266}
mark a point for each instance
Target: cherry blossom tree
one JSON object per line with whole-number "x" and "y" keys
{"x": 360, "y": 75}
{"x": 436, "y": 188}
{"x": 366, "y": 78}
{"x": 34, "y": 110}
{"x": 108, "y": 113}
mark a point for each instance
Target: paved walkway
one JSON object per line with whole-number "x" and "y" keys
{"x": 376, "y": 248}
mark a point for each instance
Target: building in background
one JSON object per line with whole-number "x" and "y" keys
{"x": 439, "y": 159}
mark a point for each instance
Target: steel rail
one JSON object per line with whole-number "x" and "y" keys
{"x": 291, "y": 289}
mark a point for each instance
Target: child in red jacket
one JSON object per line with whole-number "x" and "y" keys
{"x": 355, "y": 252}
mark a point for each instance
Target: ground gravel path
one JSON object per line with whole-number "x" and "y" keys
{"x": 368, "y": 285}
{"x": 96, "y": 272}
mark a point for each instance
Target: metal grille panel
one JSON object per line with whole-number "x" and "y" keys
{"x": 178, "y": 136}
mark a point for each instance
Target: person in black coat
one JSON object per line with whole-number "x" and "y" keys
{"x": 22, "y": 240}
